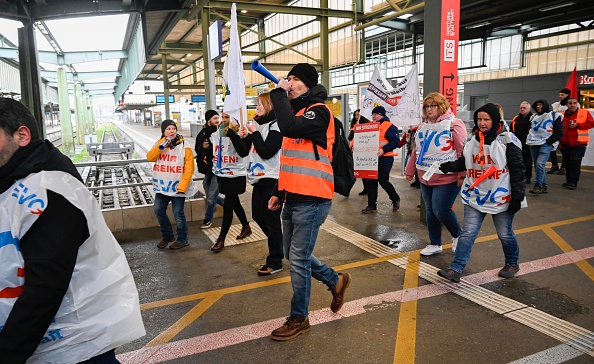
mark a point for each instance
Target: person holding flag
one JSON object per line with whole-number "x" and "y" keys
{"x": 495, "y": 181}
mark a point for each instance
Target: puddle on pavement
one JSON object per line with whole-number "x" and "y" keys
{"x": 395, "y": 238}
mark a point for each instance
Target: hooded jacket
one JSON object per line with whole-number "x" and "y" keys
{"x": 513, "y": 156}
{"x": 312, "y": 125}
{"x": 49, "y": 249}
{"x": 545, "y": 114}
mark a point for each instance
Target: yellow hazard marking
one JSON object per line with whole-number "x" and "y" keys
{"x": 406, "y": 335}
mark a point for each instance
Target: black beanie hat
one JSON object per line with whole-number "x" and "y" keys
{"x": 493, "y": 112}
{"x": 209, "y": 114}
{"x": 306, "y": 73}
{"x": 164, "y": 124}
{"x": 380, "y": 110}
{"x": 565, "y": 91}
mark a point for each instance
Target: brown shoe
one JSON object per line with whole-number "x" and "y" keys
{"x": 218, "y": 246}
{"x": 293, "y": 327}
{"x": 245, "y": 232}
{"x": 344, "y": 280}
{"x": 163, "y": 244}
{"x": 178, "y": 245}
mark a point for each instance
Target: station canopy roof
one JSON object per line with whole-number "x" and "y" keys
{"x": 174, "y": 26}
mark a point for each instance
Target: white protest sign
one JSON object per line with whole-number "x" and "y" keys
{"x": 365, "y": 147}
{"x": 402, "y": 103}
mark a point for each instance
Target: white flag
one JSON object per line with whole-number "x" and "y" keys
{"x": 233, "y": 77}
{"x": 402, "y": 103}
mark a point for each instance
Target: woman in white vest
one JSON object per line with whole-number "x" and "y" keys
{"x": 229, "y": 165}
{"x": 172, "y": 182}
{"x": 264, "y": 143}
{"x": 440, "y": 138}
{"x": 494, "y": 185}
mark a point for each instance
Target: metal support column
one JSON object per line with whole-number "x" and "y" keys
{"x": 324, "y": 46}
{"x": 65, "y": 117}
{"x": 210, "y": 91}
{"x": 165, "y": 84}
{"x": 78, "y": 111}
{"x": 31, "y": 94}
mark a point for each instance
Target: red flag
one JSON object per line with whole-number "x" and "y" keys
{"x": 572, "y": 83}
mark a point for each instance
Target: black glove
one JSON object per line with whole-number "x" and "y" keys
{"x": 514, "y": 206}
{"x": 177, "y": 140}
{"x": 446, "y": 167}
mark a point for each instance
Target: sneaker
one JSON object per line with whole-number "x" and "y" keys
{"x": 454, "y": 244}
{"x": 178, "y": 245}
{"x": 431, "y": 249}
{"x": 163, "y": 244}
{"x": 369, "y": 210}
{"x": 571, "y": 186}
{"x": 395, "y": 205}
{"x": 338, "y": 291}
{"x": 537, "y": 190}
{"x": 362, "y": 193}
{"x": 561, "y": 172}
{"x": 205, "y": 224}
{"x": 545, "y": 189}
{"x": 293, "y": 327}
{"x": 449, "y": 274}
{"x": 553, "y": 170}
{"x": 509, "y": 271}
{"x": 265, "y": 270}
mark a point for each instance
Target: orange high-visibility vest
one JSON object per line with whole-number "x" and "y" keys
{"x": 300, "y": 171}
{"x": 582, "y": 134}
{"x": 382, "y": 138}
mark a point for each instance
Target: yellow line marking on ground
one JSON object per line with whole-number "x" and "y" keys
{"x": 566, "y": 248}
{"x": 406, "y": 335}
{"x": 192, "y": 315}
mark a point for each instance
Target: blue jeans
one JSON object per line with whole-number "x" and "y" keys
{"x": 540, "y": 156}
{"x": 473, "y": 219}
{"x": 211, "y": 192}
{"x": 301, "y": 224}
{"x": 438, "y": 210}
{"x": 177, "y": 205}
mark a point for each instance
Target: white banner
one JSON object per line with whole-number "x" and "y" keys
{"x": 233, "y": 77}
{"x": 402, "y": 103}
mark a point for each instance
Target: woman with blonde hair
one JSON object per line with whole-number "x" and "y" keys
{"x": 264, "y": 143}
{"x": 440, "y": 138}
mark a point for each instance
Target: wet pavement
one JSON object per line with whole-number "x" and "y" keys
{"x": 200, "y": 307}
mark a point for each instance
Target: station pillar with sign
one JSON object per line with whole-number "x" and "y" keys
{"x": 442, "y": 34}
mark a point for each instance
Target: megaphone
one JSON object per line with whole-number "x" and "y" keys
{"x": 164, "y": 144}
{"x": 258, "y": 67}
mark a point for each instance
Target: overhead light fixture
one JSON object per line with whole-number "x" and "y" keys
{"x": 187, "y": 55}
{"x": 478, "y": 25}
{"x": 244, "y": 11}
{"x": 228, "y": 24}
{"x": 182, "y": 59}
{"x": 405, "y": 16}
{"x": 557, "y": 6}
{"x": 171, "y": 67}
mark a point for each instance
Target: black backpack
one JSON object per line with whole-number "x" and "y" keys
{"x": 342, "y": 161}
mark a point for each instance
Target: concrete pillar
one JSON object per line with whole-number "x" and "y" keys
{"x": 65, "y": 117}
{"x": 78, "y": 113}
{"x": 31, "y": 93}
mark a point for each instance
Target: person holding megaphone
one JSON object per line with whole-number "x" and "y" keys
{"x": 172, "y": 182}
{"x": 494, "y": 185}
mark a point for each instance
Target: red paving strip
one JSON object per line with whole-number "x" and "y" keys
{"x": 221, "y": 339}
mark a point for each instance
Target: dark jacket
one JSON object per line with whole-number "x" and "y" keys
{"x": 513, "y": 156}
{"x": 312, "y": 125}
{"x": 520, "y": 126}
{"x": 49, "y": 249}
{"x": 392, "y": 135}
{"x": 268, "y": 148}
{"x": 204, "y": 155}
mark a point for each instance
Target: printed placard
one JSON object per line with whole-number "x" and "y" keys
{"x": 366, "y": 143}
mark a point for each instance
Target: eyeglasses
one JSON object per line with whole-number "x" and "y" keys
{"x": 429, "y": 107}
